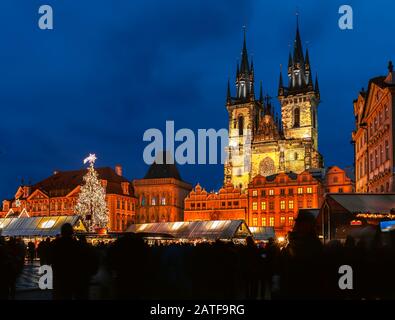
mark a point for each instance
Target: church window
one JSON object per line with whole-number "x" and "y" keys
{"x": 387, "y": 150}
{"x": 241, "y": 125}
{"x": 296, "y": 117}
{"x": 267, "y": 167}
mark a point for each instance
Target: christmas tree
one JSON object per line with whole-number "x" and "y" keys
{"x": 91, "y": 204}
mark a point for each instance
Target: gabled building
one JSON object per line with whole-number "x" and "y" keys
{"x": 373, "y": 136}
{"x": 57, "y": 195}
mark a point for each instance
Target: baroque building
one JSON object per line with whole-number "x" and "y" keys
{"x": 271, "y": 201}
{"x": 373, "y": 136}
{"x": 57, "y": 195}
{"x": 262, "y": 142}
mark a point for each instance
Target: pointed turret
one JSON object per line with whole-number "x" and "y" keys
{"x": 260, "y": 93}
{"x": 228, "y": 97}
{"x": 316, "y": 87}
{"x": 307, "y": 60}
{"x": 298, "y": 60}
{"x": 244, "y": 67}
{"x": 280, "y": 84}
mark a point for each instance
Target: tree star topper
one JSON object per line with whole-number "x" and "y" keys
{"x": 91, "y": 159}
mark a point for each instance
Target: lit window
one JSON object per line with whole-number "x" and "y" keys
{"x": 153, "y": 201}
{"x": 290, "y": 221}
{"x": 263, "y": 222}
{"x": 163, "y": 201}
{"x": 271, "y": 221}
{"x": 254, "y": 193}
{"x": 255, "y": 206}
{"x": 282, "y": 221}
{"x": 271, "y": 192}
{"x": 290, "y": 204}
{"x": 309, "y": 190}
{"x": 282, "y": 204}
{"x": 263, "y": 205}
{"x": 300, "y": 190}
{"x": 255, "y": 222}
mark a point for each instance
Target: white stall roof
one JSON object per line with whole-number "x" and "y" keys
{"x": 263, "y": 233}
{"x": 210, "y": 230}
{"x": 38, "y": 226}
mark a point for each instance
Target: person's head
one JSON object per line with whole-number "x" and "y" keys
{"x": 48, "y": 240}
{"x": 67, "y": 230}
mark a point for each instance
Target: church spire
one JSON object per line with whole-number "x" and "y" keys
{"x": 316, "y": 87}
{"x": 244, "y": 68}
{"x": 298, "y": 60}
{"x": 280, "y": 83}
{"x": 228, "y": 97}
{"x": 260, "y": 93}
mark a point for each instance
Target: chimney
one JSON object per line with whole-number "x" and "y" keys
{"x": 26, "y": 191}
{"x": 118, "y": 170}
{"x": 125, "y": 187}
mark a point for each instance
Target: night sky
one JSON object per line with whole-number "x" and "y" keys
{"x": 112, "y": 69}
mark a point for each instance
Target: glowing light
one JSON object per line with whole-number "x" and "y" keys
{"x": 177, "y": 225}
{"x": 47, "y": 224}
{"x": 280, "y": 239}
{"x": 91, "y": 159}
{"x": 356, "y": 222}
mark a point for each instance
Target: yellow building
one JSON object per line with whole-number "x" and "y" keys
{"x": 260, "y": 143}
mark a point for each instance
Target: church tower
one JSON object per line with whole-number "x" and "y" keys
{"x": 299, "y": 102}
{"x": 244, "y": 113}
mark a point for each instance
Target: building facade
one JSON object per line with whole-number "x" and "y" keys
{"x": 229, "y": 203}
{"x": 161, "y": 194}
{"x": 57, "y": 195}
{"x": 272, "y": 201}
{"x": 261, "y": 142}
{"x": 374, "y": 135}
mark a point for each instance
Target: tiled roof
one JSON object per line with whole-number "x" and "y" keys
{"x": 62, "y": 182}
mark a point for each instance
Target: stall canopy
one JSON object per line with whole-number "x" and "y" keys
{"x": 209, "y": 230}
{"x": 38, "y": 226}
{"x": 263, "y": 233}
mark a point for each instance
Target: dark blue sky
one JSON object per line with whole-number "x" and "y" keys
{"x": 112, "y": 69}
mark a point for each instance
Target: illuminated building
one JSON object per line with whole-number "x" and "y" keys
{"x": 57, "y": 196}
{"x": 161, "y": 194}
{"x": 260, "y": 143}
{"x": 229, "y": 203}
{"x": 373, "y": 136}
{"x": 271, "y": 201}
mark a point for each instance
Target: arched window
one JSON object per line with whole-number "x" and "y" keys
{"x": 314, "y": 119}
{"x": 296, "y": 117}
{"x": 143, "y": 201}
{"x": 241, "y": 125}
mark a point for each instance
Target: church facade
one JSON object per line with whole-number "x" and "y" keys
{"x": 262, "y": 142}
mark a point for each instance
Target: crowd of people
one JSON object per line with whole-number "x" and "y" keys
{"x": 129, "y": 268}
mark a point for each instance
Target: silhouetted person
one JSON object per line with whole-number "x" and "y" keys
{"x": 31, "y": 249}
{"x": 88, "y": 266}
{"x": 66, "y": 264}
